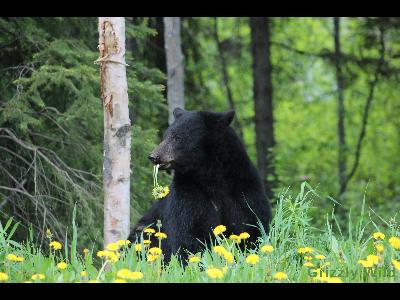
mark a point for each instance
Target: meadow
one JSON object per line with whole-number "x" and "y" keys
{"x": 293, "y": 251}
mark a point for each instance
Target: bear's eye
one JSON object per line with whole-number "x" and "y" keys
{"x": 177, "y": 137}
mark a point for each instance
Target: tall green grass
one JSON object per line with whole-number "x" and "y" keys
{"x": 291, "y": 229}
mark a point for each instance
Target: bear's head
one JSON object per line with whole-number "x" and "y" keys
{"x": 187, "y": 140}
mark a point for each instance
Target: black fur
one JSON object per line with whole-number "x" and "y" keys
{"x": 214, "y": 183}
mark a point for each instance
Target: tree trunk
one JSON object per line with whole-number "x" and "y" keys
{"x": 117, "y": 128}
{"x": 263, "y": 107}
{"x": 175, "y": 87}
{"x": 236, "y": 123}
{"x": 340, "y": 108}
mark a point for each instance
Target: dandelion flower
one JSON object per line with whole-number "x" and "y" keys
{"x": 112, "y": 247}
{"x": 55, "y": 245}
{"x": 304, "y": 250}
{"x": 219, "y": 229}
{"x": 119, "y": 280}
{"x": 93, "y": 281}
{"x": 194, "y": 259}
{"x": 160, "y": 235}
{"x": 395, "y": 242}
{"x": 235, "y": 238}
{"x": 378, "y": 236}
{"x": 244, "y": 235}
{"x": 84, "y": 274}
{"x": 15, "y": 258}
{"x": 160, "y": 192}
{"x": 374, "y": 259}
{"x": 48, "y": 233}
{"x": 155, "y": 251}
{"x": 28, "y": 281}
{"x": 320, "y": 257}
{"x": 123, "y": 273}
{"x": 379, "y": 248}
{"x": 215, "y": 273}
{"x": 365, "y": 263}
{"x": 308, "y": 257}
{"x": 396, "y": 264}
{"x": 149, "y": 230}
{"x": 151, "y": 257}
{"x": 3, "y": 276}
{"x": 267, "y": 249}
{"x": 121, "y": 243}
{"x": 62, "y": 266}
{"x": 127, "y": 274}
{"x": 220, "y": 250}
{"x": 146, "y": 242}
{"x": 85, "y": 251}
{"x": 308, "y": 264}
{"x": 252, "y": 259}
{"x": 280, "y": 276}
{"x": 334, "y": 280}
{"x": 229, "y": 257}
{"x": 138, "y": 247}
{"x": 38, "y": 277}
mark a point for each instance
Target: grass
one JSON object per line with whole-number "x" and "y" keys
{"x": 291, "y": 230}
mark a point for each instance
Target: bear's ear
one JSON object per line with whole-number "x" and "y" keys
{"x": 178, "y": 112}
{"x": 222, "y": 119}
{"x": 227, "y": 117}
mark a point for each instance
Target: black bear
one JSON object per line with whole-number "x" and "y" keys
{"x": 214, "y": 183}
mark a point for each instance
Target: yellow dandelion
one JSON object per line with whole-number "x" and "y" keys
{"x": 62, "y": 266}
{"x": 395, "y": 242}
{"x": 55, "y": 245}
{"x": 219, "y": 229}
{"x": 229, "y": 257}
{"x": 3, "y": 276}
{"x": 365, "y": 263}
{"x": 308, "y": 264}
{"x": 155, "y": 251}
{"x": 267, "y": 249}
{"x": 48, "y": 233}
{"x": 160, "y": 235}
{"x": 123, "y": 273}
{"x": 379, "y": 248}
{"x": 84, "y": 274}
{"x": 135, "y": 275}
{"x": 252, "y": 259}
{"x": 112, "y": 247}
{"x": 374, "y": 259}
{"x": 28, "y": 281}
{"x": 14, "y": 258}
{"x": 119, "y": 280}
{"x": 151, "y": 257}
{"x": 220, "y": 250}
{"x": 215, "y": 273}
{"x": 194, "y": 259}
{"x": 138, "y": 247}
{"x": 396, "y": 264}
{"x": 280, "y": 276}
{"x": 146, "y": 242}
{"x": 308, "y": 257}
{"x": 378, "y": 236}
{"x": 304, "y": 250}
{"x": 244, "y": 235}
{"x": 86, "y": 251}
{"x": 320, "y": 257}
{"x": 334, "y": 280}
{"x": 121, "y": 243}
{"x": 149, "y": 230}
{"x": 235, "y": 238}
{"x": 93, "y": 281}
{"x": 160, "y": 192}
{"x": 38, "y": 277}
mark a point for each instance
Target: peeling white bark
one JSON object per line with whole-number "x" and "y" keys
{"x": 117, "y": 128}
{"x": 172, "y": 37}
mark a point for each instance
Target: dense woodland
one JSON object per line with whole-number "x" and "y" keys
{"x": 316, "y": 100}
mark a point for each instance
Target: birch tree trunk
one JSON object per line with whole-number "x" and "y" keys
{"x": 117, "y": 128}
{"x": 263, "y": 105}
{"x": 175, "y": 87}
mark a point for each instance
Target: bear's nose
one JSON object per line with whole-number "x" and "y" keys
{"x": 153, "y": 158}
